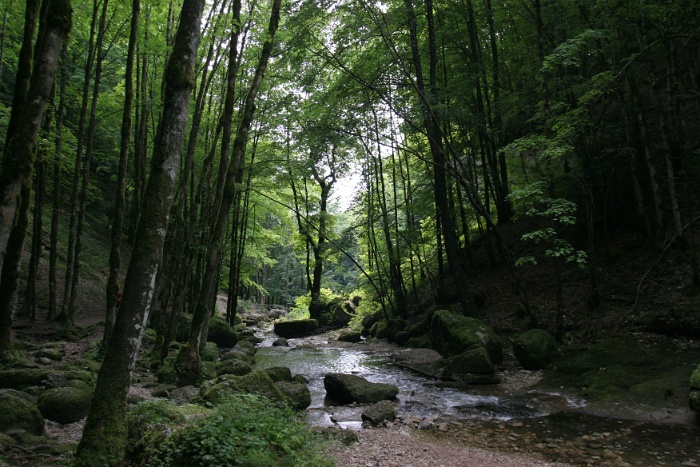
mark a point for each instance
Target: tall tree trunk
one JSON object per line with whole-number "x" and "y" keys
{"x": 56, "y": 194}
{"x": 432, "y": 125}
{"x": 112, "y": 288}
{"x": 75, "y": 186}
{"x": 105, "y": 433}
{"x": 18, "y": 159}
{"x": 189, "y": 354}
{"x": 87, "y": 159}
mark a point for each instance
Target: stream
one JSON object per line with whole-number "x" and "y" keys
{"x": 555, "y": 425}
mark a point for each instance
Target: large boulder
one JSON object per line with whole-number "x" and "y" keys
{"x": 298, "y": 395}
{"x": 453, "y": 334}
{"x": 534, "y": 349}
{"x": 296, "y": 328}
{"x": 473, "y": 366}
{"x": 380, "y": 412}
{"x": 346, "y": 389}
{"x": 279, "y": 373}
{"x": 695, "y": 390}
{"x": 18, "y": 411}
{"x": 257, "y": 382}
{"x": 65, "y": 405}
{"x": 232, "y": 367}
{"x": 23, "y": 378}
{"x": 220, "y": 332}
{"x": 350, "y": 336}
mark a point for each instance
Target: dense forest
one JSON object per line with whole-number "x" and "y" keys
{"x": 293, "y": 153}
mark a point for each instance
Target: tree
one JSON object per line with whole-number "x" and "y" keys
{"x": 104, "y": 435}
{"x": 20, "y": 153}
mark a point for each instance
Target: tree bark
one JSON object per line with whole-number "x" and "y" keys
{"x": 112, "y": 288}
{"x": 189, "y": 354}
{"x": 105, "y": 434}
{"x": 19, "y": 155}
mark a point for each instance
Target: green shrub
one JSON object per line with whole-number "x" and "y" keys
{"x": 246, "y": 430}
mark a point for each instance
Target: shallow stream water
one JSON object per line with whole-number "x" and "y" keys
{"x": 556, "y": 426}
{"x": 419, "y": 396}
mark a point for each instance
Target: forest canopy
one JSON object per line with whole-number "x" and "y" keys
{"x": 209, "y": 140}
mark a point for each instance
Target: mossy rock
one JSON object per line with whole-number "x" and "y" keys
{"x": 346, "y": 389}
{"x": 238, "y": 355}
{"x": 534, "y": 349}
{"x": 279, "y": 373}
{"x": 245, "y": 347}
{"x": 378, "y": 330}
{"x": 695, "y": 390}
{"x": 5, "y": 442}
{"x": 393, "y": 327}
{"x": 210, "y": 352}
{"x": 167, "y": 373}
{"x": 379, "y": 413}
{"x": 65, "y": 405}
{"x": 401, "y": 337}
{"x": 296, "y": 328}
{"x": 298, "y": 395}
{"x": 20, "y": 378}
{"x": 257, "y": 382}
{"x": 220, "y": 332}
{"x": 452, "y": 334}
{"x": 350, "y": 336}
{"x": 472, "y": 362}
{"x": 50, "y": 353}
{"x": 628, "y": 369}
{"x": 233, "y": 367}
{"x": 19, "y": 412}
{"x": 416, "y": 330}
{"x": 422, "y": 342}
{"x": 207, "y": 370}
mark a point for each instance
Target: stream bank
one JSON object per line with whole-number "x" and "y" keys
{"x": 522, "y": 416}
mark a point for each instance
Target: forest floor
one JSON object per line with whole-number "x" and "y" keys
{"x": 645, "y": 296}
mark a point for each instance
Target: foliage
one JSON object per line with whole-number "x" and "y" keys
{"x": 302, "y": 302}
{"x": 245, "y": 430}
{"x": 557, "y": 212}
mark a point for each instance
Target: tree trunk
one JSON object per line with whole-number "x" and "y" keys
{"x": 56, "y": 195}
{"x": 105, "y": 434}
{"x": 189, "y": 354}
{"x": 18, "y": 160}
{"x": 112, "y": 288}
{"x": 75, "y": 185}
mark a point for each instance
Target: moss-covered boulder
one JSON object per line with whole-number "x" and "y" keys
{"x": 473, "y": 366}
{"x": 422, "y": 342}
{"x": 346, "y": 389}
{"x": 233, "y": 367}
{"x": 279, "y": 373}
{"x": 379, "y": 413}
{"x": 298, "y": 395}
{"x": 210, "y": 352}
{"x": 221, "y": 333}
{"x": 534, "y": 349}
{"x": 453, "y": 334}
{"x": 378, "y": 329}
{"x": 65, "y": 405}
{"x": 21, "y": 378}
{"x": 350, "y": 336}
{"x": 257, "y": 382}
{"x": 695, "y": 390}
{"x": 19, "y": 412}
{"x": 370, "y": 320}
{"x": 296, "y": 328}
{"x": 401, "y": 338}
{"x": 49, "y": 353}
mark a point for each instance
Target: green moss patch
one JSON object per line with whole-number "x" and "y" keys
{"x": 636, "y": 369}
